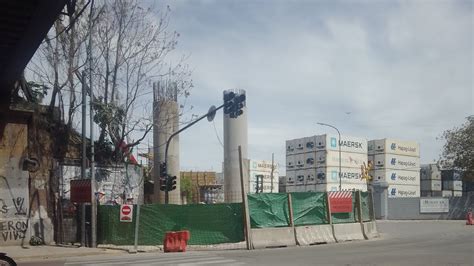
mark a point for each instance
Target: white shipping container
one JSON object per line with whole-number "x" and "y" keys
{"x": 331, "y": 158}
{"x": 392, "y": 146}
{"x": 290, "y": 147}
{"x": 430, "y": 171}
{"x": 457, "y": 193}
{"x": 396, "y": 177}
{"x": 309, "y": 144}
{"x": 452, "y": 185}
{"x": 403, "y": 191}
{"x": 300, "y": 174}
{"x": 347, "y": 143}
{"x": 267, "y": 176}
{"x": 335, "y": 187}
{"x": 290, "y": 177}
{"x": 290, "y": 162}
{"x": 300, "y": 188}
{"x": 430, "y": 185}
{"x": 300, "y": 161}
{"x": 310, "y": 176}
{"x": 392, "y": 161}
{"x": 331, "y": 175}
{"x": 310, "y": 159}
{"x": 447, "y": 193}
{"x": 262, "y": 166}
{"x": 266, "y": 183}
{"x": 457, "y": 185}
{"x": 311, "y": 188}
{"x": 299, "y": 145}
{"x": 290, "y": 188}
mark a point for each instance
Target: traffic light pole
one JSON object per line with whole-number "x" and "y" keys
{"x": 175, "y": 134}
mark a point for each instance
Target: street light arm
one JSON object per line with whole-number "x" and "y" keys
{"x": 324, "y": 124}
{"x": 176, "y": 133}
{"x": 339, "y": 145}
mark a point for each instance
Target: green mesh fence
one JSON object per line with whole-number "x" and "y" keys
{"x": 208, "y": 224}
{"x": 365, "y": 204}
{"x": 268, "y": 210}
{"x": 351, "y": 217}
{"x": 309, "y": 208}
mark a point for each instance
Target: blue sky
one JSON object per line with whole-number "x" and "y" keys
{"x": 374, "y": 69}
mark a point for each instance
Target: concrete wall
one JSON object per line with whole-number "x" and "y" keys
{"x": 409, "y": 208}
{"x": 14, "y": 193}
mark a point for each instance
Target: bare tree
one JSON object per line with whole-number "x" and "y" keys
{"x": 130, "y": 48}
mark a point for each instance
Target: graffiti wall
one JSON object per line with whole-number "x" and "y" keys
{"x": 14, "y": 194}
{"x": 115, "y": 185}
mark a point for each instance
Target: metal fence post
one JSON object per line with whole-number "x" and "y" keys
{"x": 290, "y": 211}
{"x": 248, "y": 235}
{"x": 328, "y": 211}
{"x": 359, "y": 213}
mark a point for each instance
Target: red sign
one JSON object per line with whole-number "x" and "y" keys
{"x": 340, "y": 201}
{"x": 81, "y": 190}
{"x": 126, "y": 213}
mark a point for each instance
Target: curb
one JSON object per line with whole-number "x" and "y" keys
{"x": 58, "y": 255}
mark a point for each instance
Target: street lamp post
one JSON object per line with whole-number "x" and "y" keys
{"x": 339, "y": 145}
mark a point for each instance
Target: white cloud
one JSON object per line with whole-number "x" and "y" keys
{"x": 403, "y": 70}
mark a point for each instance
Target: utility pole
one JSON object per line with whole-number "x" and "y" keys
{"x": 93, "y": 188}
{"x": 271, "y": 174}
{"x": 84, "y": 164}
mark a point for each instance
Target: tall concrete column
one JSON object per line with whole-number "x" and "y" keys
{"x": 235, "y": 134}
{"x": 166, "y": 122}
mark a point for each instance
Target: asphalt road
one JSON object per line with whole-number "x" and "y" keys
{"x": 401, "y": 243}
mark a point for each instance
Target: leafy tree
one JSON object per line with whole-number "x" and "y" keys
{"x": 458, "y": 151}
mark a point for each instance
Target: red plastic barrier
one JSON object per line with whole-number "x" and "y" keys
{"x": 176, "y": 241}
{"x": 469, "y": 219}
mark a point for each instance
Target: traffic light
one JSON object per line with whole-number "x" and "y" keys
{"x": 171, "y": 183}
{"x": 228, "y": 102}
{"x": 163, "y": 177}
{"x": 233, "y": 104}
{"x": 163, "y": 183}
{"x": 162, "y": 170}
{"x": 239, "y": 102}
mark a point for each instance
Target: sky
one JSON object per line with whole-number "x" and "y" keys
{"x": 374, "y": 69}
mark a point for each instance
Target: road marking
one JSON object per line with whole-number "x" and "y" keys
{"x": 206, "y": 262}
{"x": 174, "y": 260}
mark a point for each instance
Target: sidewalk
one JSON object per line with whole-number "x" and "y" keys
{"x": 52, "y": 252}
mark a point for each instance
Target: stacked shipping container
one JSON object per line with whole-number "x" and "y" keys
{"x": 398, "y": 163}
{"x": 430, "y": 175}
{"x": 451, "y": 183}
{"x": 261, "y": 171}
{"x": 312, "y": 163}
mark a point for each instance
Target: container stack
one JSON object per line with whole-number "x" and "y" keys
{"x": 260, "y": 177}
{"x": 430, "y": 175}
{"x": 300, "y": 162}
{"x": 451, "y": 183}
{"x": 398, "y": 163}
{"x": 312, "y": 163}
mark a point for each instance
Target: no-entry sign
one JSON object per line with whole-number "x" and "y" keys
{"x": 126, "y": 213}
{"x": 340, "y": 201}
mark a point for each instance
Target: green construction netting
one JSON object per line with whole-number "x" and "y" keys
{"x": 309, "y": 208}
{"x": 208, "y": 224}
{"x": 351, "y": 217}
{"x": 268, "y": 210}
{"x": 365, "y": 204}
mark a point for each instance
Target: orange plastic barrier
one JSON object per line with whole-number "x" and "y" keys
{"x": 176, "y": 241}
